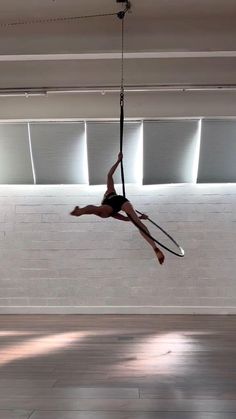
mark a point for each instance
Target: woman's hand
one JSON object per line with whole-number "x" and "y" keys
{"x": 143, "y": 217}
{"x": 120, "y": 157}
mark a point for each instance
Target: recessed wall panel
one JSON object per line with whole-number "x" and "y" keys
{"x": 169, "y": 151}
{"x": 15, "y": 161}
{"x": 59, "y": 152}
{"x": 217, "y": 161}
{"x": 103, "y": 140}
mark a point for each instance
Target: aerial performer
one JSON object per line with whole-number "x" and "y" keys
{"x": 111, "y": 206}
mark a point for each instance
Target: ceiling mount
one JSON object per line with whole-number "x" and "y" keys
{"x": 127, "y": 3}
{"x": 122, "y": 13}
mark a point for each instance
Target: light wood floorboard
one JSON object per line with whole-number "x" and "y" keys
{"x": 117, "y": 367}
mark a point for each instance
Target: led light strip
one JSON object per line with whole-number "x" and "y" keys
{"x": 31, "y": 154}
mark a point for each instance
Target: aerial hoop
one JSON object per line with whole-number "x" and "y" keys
{"x": 179, "y": 250}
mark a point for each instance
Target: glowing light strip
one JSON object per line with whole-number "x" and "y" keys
{"x": 141, "y": 155}
{"x": 31, "y": 154}
{"x": 86, "y": 171}
{"x": 116, "y": 55}
{"x": 197, "y": 152}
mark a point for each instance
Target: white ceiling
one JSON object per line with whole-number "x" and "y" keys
{"x": 194, "y": 30}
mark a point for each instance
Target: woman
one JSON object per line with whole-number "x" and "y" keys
{"x": 112, "y": 204}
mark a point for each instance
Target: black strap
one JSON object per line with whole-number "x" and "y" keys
{"x": 121, "y": 140}
{"x": 179, "y": 253}
{"x": 122, "y": 101}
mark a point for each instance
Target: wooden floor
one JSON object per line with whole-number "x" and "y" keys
{"x": 117, "y": 367}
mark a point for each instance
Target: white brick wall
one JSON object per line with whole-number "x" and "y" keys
{"x": 54, "y": 263}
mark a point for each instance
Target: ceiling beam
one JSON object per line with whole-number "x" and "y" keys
{"x": 44, "y": 91}
{"x": 117, "y": 55}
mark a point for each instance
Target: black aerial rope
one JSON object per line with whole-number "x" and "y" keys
{"x": 121, "y": 140}
{"x": 122, "y": 106}
{"x": 180, "y": 251}
{"x": 121, "y": 15}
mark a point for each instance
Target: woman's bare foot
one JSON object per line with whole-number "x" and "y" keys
{"x": 160, "y": 255}
{"x": 75, "y": 212}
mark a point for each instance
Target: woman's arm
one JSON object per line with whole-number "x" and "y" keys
{"x": 114, "y": 167}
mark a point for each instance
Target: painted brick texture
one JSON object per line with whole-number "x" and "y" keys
{"x": 52, "y": 262}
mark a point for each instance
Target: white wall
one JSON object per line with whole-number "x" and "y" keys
{"x": 54, "y": 263}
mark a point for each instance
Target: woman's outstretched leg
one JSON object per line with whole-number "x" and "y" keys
{"x": 89, "y": 209}
{"x": 102, "y": 211}
{"x": 128, "y": 208}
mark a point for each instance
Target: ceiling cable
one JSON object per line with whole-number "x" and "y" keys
{"x": 53, "y": 20}
{"x": 120, "y": 14}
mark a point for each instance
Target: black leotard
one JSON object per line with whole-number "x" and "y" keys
{"x": 114, "y": 201}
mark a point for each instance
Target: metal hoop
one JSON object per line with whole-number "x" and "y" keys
{"x": 181, "y": 252}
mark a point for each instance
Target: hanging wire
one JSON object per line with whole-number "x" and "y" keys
{"x": 122, "y": 56}
{"x": 54, "y": 19}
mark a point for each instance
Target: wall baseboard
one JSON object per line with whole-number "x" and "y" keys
{"x": 118, "y": 310}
